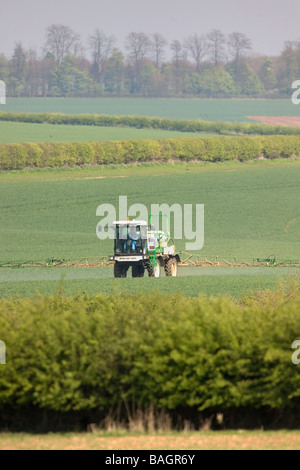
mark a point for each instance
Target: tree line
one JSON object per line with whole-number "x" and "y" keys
{"x": 202, "y": 65}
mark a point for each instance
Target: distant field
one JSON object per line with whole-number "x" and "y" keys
{"x": 206, "y": 109}
{"x": 12, "y": 132}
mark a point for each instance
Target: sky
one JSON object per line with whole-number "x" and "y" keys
{"x": 268, "y": 23}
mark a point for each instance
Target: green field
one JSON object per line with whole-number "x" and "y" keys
{"x": 212, "y": 281}
{"x": 11, "y": 132}
{"x": 206, "y": 109}
{"x": 251, "y": 211}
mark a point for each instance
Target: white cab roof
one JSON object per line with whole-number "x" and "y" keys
{"x": 130, "y": 222}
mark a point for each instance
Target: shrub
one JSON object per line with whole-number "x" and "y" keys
{"x": 19, "y": 156}
{"x": 168, "y": 351}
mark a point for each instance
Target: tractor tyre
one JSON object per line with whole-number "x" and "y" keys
{"x": 171, "y": 267}
{"x": 150, "y": 270}
{"x": 137, "y": 270}
{"x": 120, "y": 270}
{"x": 153, "y": 271}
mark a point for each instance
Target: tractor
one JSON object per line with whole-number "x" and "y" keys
{"x": 143, "y": 247}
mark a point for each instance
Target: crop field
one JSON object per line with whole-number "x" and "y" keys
{"x": 251, "y": 211}
{"x": 204, "y": 109}
{"x": 12, "y": 132}
{"x": 212, "y": 110}
{"x": 212, "y": 281}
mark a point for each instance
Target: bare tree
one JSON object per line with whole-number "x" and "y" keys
{"x": 178, "y": 65}
{"x": 139, "y": 47}
{"x": 101, "y": 47}
{"x": 45, "y": 66}
{"x": 196, "y": 47}
{"x": 216, "y": 41}
{"x": 78, "y": 51}
{"x": 177, "y": 49}
{"x": 19, "y": 62}
{"x": 32, "y": 72}
{"x": 158, "y": 45}
{"x": 61, "y": 41}
{"x": 238, "y": 44}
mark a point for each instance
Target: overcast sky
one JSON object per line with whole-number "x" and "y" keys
{"x": 268, "y": 23}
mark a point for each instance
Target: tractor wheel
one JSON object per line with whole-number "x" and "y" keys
{"x": 171, "y": 267}
{"x": 120, "y": 270}
{"x": 150, "y": 270}
{"x": 154, "y": 271}
{"x": 137, "y": 270}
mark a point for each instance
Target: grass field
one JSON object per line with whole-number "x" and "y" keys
{"x": 251, "y": 211}
{"x": 193, "y": 441}
{"x": 212, "y": 281}
{"x": 12, "y": 132}
{"x": 206, "y": 109}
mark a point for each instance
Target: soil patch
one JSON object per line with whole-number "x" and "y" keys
{"x": 277, "y": 120}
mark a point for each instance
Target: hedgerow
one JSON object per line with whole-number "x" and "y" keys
{"x": 183, "y": 125}
{"x": 168, "y": 351}
{"x": 48, "y": 154}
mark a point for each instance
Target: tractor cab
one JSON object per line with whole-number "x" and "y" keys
{"x": 130, "y": 237}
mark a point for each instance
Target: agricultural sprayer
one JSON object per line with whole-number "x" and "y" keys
{"x": 143, "y": 247}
